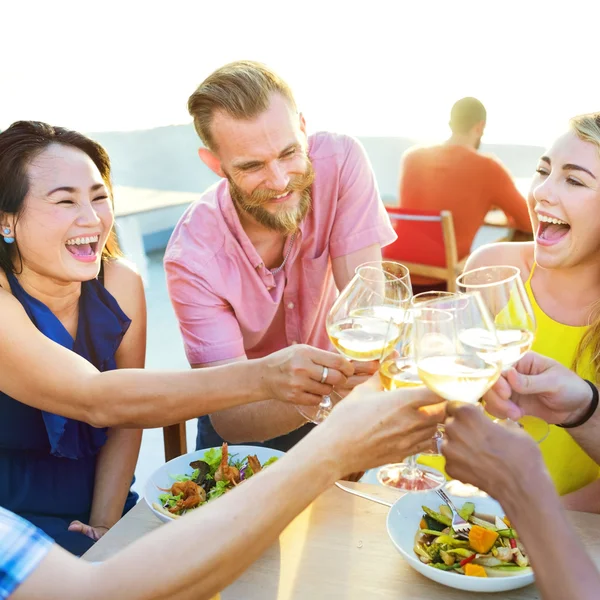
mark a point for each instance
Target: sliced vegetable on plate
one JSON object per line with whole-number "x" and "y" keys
{"x": 491, "y": 550}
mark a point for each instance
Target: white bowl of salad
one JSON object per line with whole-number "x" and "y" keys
{"x": 189, "y": 481}
{"x": 491, "y": 559}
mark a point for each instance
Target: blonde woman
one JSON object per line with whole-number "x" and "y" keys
{"x": 561, "y": 271}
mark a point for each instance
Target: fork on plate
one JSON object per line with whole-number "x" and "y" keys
{"x": 460, "y": 526}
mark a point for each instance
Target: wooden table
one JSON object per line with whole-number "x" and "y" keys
{"x": 338, "y": 548}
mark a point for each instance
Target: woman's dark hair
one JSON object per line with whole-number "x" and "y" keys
{"x": 19, "y": 145}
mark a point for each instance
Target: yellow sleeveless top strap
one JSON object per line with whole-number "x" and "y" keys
{"x": 569, "y": 466}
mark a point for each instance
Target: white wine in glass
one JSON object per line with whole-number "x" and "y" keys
{"x": 397, "y": 370}
{"x": 364, "y": 320}
{"x": 514, "y": 344}
{"x": 446, "y": 366}
{"x": 419, "y": 300}
{"x": 363, "y": 338}
{"x": 459, "y": 377}
{"x": 502, "y": 290}
{"x": 397, "y": 373}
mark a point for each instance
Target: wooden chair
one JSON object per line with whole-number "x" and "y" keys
{"x": 175, "y": 440}
{"x": 426, "y": 244}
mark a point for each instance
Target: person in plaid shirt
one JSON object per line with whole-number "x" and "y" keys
{"x": 22, "y": 547}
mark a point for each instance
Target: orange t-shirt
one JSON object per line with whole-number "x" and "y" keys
{"x": 459, "y": 179}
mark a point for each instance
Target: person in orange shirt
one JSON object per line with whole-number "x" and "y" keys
{"x": 454, "y": 176}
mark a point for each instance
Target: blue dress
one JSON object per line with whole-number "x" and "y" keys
{"x": 48, "y": 462}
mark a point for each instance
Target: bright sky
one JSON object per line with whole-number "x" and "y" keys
{"x": 365, "y": 68}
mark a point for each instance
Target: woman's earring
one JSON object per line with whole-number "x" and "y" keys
{"x": 7, "y": 237}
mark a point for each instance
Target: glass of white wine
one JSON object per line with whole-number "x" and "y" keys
{"x": 501, "y": 289}
{"x": 421, "y": 299}
{"x": 365, "y": 321}
{"x": 365, "y": 318}
{"x": 398, "y": 369}
{"x": 446, "y": 365}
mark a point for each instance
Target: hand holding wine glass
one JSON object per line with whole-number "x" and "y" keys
{"x": 365, "y": 318}
{"x": 541, "y": 387}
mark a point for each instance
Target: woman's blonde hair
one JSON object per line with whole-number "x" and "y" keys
{"x": 587, "y": 128}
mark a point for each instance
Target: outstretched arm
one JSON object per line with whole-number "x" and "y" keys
{"x": 366, "y": 430}
{"x": 68, "y": 385}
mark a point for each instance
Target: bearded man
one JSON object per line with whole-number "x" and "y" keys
{"x": 256, "y": 263}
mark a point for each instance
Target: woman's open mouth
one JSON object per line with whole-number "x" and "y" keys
{"x": 84, "y": 249}
{"x": 551, "y": 230}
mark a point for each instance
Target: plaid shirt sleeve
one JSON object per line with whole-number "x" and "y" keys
{"x": 22, "y": 547}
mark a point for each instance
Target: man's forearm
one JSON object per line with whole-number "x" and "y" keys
{"x": 562, "y": 567}
{"x": 256, "y": 422}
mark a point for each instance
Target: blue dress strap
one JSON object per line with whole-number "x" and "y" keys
{"x": 101, "y": 327}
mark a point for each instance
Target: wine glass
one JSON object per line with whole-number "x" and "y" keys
{"x": 504, "y": 294}
{"x": 453, "y": 370}
{"x": 420, "y": 299}
{"x": 446, "y": 366}
{"x": 398, "y": 369}
{"x": 365, "y": 318}
{"x": 398, "y": 270}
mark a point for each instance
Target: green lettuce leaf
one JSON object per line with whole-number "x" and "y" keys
{"x": 213, "y": 458}
{"x": 169, "y": 499}
{"x": 220, "y": 488}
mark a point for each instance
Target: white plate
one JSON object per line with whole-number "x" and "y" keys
{"x": 181, "y": 466}
{"x": 403, "y": 522}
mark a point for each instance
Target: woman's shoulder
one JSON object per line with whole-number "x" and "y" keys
{"x": 516, "y": 254}
{"x": 120, "y": 270}
{"x": 14, "y": 315}
{"x": 125, "y": 284}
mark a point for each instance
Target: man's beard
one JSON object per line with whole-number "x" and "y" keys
{"x": 285, "y": 220}
{"x": 478, "y": 143}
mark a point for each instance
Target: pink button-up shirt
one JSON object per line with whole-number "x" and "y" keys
{"x": 228, "y": 304}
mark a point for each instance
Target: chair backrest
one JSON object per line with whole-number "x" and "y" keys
{"x": 420, "y": 236}
{"x": 426, "y": 242}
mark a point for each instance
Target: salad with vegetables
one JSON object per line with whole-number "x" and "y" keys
{"x": 211, "y": 477}
{"x": 492, "y": 548}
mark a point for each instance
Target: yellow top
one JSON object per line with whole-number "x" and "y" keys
{"x": 569, "y": 466}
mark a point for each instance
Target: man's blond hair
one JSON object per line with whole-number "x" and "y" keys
{"x": 241, "y": 89}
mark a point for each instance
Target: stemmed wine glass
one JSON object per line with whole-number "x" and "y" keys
{"x": 421, "y": 299}
{"x": 365, "y": 319}
{"x": 454, "y": 370}
{"x": 398, "y": 369}
{"x": 451, "y": 369}
{"x": 503, "y": 293}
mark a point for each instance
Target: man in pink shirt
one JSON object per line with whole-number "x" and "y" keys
{"x": 255, "y": 264}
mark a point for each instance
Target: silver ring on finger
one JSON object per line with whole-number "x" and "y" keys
{"x": 325, "y": 374}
